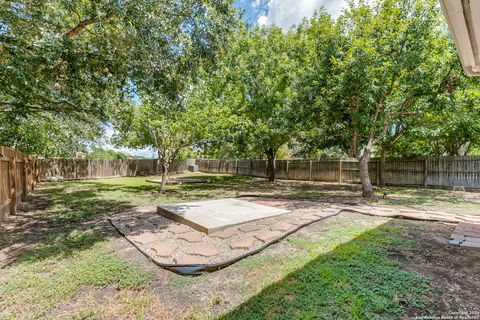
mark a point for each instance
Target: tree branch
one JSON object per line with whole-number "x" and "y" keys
{"x": 85, "y": 23}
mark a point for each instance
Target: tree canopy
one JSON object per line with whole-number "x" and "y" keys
{"x": 371, "y": 69}
{"x": 257, "y": 74}
{"x": 188, "y": 76}
{"x": 76, "y": 60}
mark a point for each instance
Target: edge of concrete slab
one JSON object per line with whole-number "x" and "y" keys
{"x": 197, "y": 269}
{"x": 178, "y": 218}
{"x": 176, "y": 181}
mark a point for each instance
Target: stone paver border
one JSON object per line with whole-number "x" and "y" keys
{"x": 466, "y": 235}
{"x": 188, "y": 263}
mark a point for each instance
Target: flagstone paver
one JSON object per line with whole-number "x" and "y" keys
{"x": 297, "y": 221}
{"x": 282, "y": 226}
{"x": 123, "y": 216}
{"x": 321, "y": 214}
{"x": 135, "y": 223}
{"x": 250, "y": 228}
{"x": 164, "y": 249}
{"x": 157, "y": 220}
{"x": 206, "y": 250}
{"x": 309, "y": 217}
{"x": 139, "y": 229}
{"x": 189, "y": 259}
{"x": 466, "y": 235}
{"x": 145, "y": 237}
{"x": 242, "y": 243}
{"x": 266, "y": 236}
{"x": 284, "y": 218}
{"x": 173, "y": 242}
{"x": 267, "y": 222}
{"x": 193, "y": 236}
{"x": 224, "y": 234}
{"x": 471, "y": 244}
{"x": 179, "y": 229}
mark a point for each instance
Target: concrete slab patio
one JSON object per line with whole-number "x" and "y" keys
{"x": 215, "y": 215}
{"x": 167, "y": 242}
{"x": 179, "y": 180}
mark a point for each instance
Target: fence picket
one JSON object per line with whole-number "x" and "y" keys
{"x": 444, "y": 172}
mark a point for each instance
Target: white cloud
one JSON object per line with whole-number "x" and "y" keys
{"x": 262, "y": 20}
{"x": 256, "y": 3}
{"x": 285, "y": 13}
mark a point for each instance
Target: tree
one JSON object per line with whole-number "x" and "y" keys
{"x": 168, "y": 126}
{"x": 98, "y": 153}
{"x": 48, "y": 135}
{"x": 375, "y": 65}
{"x": 257, "y": 75}
{"x": 83, "y": 58}
{"x": 452, "y": 128}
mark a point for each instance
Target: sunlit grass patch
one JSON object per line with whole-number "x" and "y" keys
{"x": 349, "y": 273}
{"x": 35, "y": 286}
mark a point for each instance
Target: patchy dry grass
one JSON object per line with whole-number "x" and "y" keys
{"x": 127, "y": 304}
{"x": 36, "y": 284}
{"x": 340, "y": 269}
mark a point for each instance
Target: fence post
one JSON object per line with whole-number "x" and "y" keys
{"x": 340, "y": 170}
{"x": 24, "y": 178}
{"x": 31, "y": 169}
{"x": 89, "y": 169}
{"x": 310, "y": 170}
{"x": 251, "y": 168}
{"x": 13, "y": 185}
{"x": 425, "y": 172}
{"x": 218, "y": 167}
{"x": 37, "y": 172}
{"x": 378, "y": 172}
{"x": 286, "y": 177}
{"x": 236, "y": 167}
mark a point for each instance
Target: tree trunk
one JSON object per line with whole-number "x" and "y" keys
{"x": 159, "y": 162}
{"x": 381, "y": 179}
{"x": 271, "y": 154}
{"x": 367, "y": 190}
{"x": 165, "y": 166}
{"x": 462, "y": 151}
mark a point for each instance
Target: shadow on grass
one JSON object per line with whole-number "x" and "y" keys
{"x": 58, "y": 222}
{"x": 61, "y": 219}
{"x": 356, "y": 280}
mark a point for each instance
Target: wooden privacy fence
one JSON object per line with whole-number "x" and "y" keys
{"x": 425, "y": 172}
{"x": 18, "y": 177}
{"x": 78, "y": 169}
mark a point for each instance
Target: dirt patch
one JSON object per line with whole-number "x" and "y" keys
{"x": 454, "y": 272}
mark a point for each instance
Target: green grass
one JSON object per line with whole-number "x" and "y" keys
{"x": 429, "y": 198}
{"x": 35, "y": 286}
{"x": 69, "y": 251}
{"x": 329, "y": 279}
{"x": 136, "y": 191}
{"x": 347, "y": 272}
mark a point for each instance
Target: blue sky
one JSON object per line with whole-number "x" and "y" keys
{"x": 283, "y": 13}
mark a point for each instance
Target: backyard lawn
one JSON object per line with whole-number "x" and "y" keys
{"x": 61, "y": 258}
